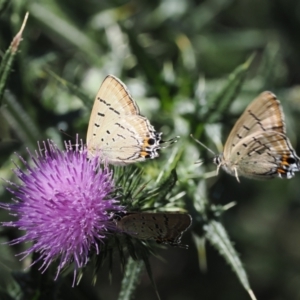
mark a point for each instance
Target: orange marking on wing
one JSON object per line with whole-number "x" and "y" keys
{"x": 148, "y": 145}
{"x": 282, "y": 171}
{"x": 285, "y": 160}
{"x": 145, "y": 144}
{"x": 144, "y": 153}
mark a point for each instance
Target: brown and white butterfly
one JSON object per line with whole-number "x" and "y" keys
{"x": 117, "y": 131}
{"x": 257, "y": 146}
{"x": 166, "y": 228}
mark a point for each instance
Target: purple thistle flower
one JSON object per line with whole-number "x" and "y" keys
{"x": 63, "y": 204}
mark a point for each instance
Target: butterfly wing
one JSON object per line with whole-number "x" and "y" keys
{"x": 116, "y": 129}
{"x": 112, "y": 99}
{"x": 123, "y": 140}
{"x": 263, "y": 114}
{"x": 162, "y": 227}
{"x": 257, "y": 146}
{"x": 264, "y": 155}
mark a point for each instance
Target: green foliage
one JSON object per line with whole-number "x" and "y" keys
{"x": 192, "y": 68}
{"x": 131, "y": 277}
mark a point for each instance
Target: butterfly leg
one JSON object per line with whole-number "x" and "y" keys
{"x": 218, "y": 168}
{"x": 236, "y": 175}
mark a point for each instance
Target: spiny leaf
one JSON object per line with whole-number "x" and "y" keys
{"x": 219, "y": 103}
{"x": 158, "y": 197}
{"x": 269, "y": 66}
{"x": 18, "y": 119}
{"x": 150, "y": 69}
{"x": 136, "y": 195}
{"x": 8, "y": 58}
{"x": 131, "y": 279}
{"x": 217, "y": 236}
{"x": 129, "y": 181}
{"x": 74, "y": 89}
{"x": 200, "y": 245}
{"x": 171, "y": 163}
{"x": 52, "y": 17}
{"x": 149, "y": 271}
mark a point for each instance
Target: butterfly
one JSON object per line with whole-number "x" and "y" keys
{"x": 257, "y": 146}
{"x": 117, "y": 131}
{"x": 166, "y": 228}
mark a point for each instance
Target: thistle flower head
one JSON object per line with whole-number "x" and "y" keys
{"x": 63, "y": 204}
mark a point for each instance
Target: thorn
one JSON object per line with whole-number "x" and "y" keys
{"x": 65, "y": 133}
{"x": 236, "y": 175}
{"x": 17, "y": 39}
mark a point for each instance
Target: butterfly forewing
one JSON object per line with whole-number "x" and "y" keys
{"x": 117, "y": 97}
{"x": 264, "y": 113}
{"x": 161, "y": 227}
{"x": 116, "y": 129}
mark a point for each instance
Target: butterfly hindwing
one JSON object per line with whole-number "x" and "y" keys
{"x": 123, "y": 141}
{"x": 257, "y": 146}
{"x": 264, "y": 155}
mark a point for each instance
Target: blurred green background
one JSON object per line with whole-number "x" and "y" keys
{"x": 174, "y": 56}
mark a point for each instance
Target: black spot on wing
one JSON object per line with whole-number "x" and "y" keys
{"x": 131, "y": 131}
{"x": 291, "y": 160}
{"x": 151, "y": 141}
{"x": 258, "y": 152}
{"x": 276, "y": 128}
{"x": 104, "y": 102}
{"x": 115, "y": 111}
{"x": 260, "y": 148}
{"x": 135, "y": 139}
{"x": 257, "y": 120}
{"x": 108, "y": 105}
{"x": 118, "y": 124}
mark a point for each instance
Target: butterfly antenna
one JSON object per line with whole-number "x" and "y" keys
{"x": 66, "y": 134}
{"x": 70, "y": 143}
{"x": 204, "y": 146}
{"x": 169, "y": 142}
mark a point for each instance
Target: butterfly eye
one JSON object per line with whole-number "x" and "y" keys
{"x": 217, "y": 159}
